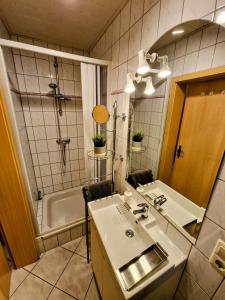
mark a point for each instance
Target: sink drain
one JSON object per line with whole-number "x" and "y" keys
{"x": 129, "y": 233}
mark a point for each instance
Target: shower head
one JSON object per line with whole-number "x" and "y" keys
{"x": 52, "y": 86}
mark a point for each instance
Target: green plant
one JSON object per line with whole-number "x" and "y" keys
{"x": 137, "y": 136}
{"x": 99, "y": 140}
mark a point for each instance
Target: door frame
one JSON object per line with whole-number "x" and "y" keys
{"x": 5, "y": 274}
{"x": 175, "y": 113}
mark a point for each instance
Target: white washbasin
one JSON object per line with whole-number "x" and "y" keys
{"x": 112, "y": 220}
{"x": 177, "y": 208}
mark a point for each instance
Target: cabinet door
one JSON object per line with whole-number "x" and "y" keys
{"x": 110, "y": 287}
{"x": 96, "y": 256}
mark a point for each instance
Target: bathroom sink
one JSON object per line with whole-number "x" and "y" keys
{"x": 138, "y": 250}
{"x": 123, "y": 238}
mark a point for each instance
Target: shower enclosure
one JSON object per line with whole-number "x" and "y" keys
{"x": 44, "y": 99}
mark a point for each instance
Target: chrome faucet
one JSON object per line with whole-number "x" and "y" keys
{"x": 143, "y": 210}
{"x": 158, "y": 201}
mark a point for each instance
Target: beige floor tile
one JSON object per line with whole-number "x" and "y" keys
{"x": 76, "y": 278}
{"x": 30, "y": 267}
{"x": 32, "y": 288}
{"x": 72, "y": 245}
{"x": 92, "y": 293}
{"x": 52, "y": 264}
{"x": 59, "y": 295}
{"x": 17, "y": 278}
{"x": 82, "y": 249}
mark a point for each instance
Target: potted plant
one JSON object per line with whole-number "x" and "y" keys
{"x": 99, "y": 141}
{"x": 137, "y": 138}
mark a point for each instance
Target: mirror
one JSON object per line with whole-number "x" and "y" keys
{"x": 100, "y": 114}
{"x": 187, "y": 157}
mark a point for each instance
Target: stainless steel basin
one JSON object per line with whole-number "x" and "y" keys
{"x": 138, "y": 268}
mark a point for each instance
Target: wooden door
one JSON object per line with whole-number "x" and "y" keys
{"x": 15, "y": 216}
{"x": 4, "y": 276}
{"x": 201, "y": 141}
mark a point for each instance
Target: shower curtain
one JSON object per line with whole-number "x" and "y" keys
{"x": 89, "y": 95}
{"x": 94, "y": 92}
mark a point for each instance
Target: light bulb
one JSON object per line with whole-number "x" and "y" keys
{"x": 149, "y": 89}
{"x": 164, "y": 70}
{"x": 221, "y": 18}
{"x": 130, "y": 88}
{"x": 143, "y": 66}
{"x": 164, "y": 73}
{"x": 179, "y": 31}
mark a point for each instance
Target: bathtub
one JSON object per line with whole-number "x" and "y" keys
{"x": 62, "y": 208}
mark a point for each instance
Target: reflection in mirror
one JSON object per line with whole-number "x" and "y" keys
{"x": 185, "y": 159}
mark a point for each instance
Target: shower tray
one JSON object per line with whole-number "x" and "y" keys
{"x": 139, "y": 267}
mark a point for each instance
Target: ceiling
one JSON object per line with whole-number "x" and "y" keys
{"x": 72, "y": 23}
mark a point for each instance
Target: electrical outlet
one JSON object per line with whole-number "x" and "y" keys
{"x": 217, "y": 257}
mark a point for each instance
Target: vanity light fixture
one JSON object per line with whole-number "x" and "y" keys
{"x": 220, "y": 19}
{"x": 164, "y": 67}
{"x": 178, "y": 31}
{"x": 143, "y": 66}
{"x": 149, "y": 89}
{"x": 130, "y": 88}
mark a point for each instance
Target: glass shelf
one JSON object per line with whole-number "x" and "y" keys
{"x": 93, "y": 156}
{"x": 138, "y": 150}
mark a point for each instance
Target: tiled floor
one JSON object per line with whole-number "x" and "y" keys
{"x": 60, "y": 274}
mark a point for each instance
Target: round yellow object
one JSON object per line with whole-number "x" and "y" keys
{"x": 100, "y": 114}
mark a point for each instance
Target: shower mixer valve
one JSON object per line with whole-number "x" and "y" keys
{"x": 63, "y": 141}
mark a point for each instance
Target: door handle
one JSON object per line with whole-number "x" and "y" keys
{"x": 179, "y": 152}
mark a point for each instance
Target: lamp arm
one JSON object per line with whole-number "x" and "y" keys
{"x": 152, "y": 57}
{"x": 136, "y": 78}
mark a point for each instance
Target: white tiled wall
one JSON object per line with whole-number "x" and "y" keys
{"x": 50, "y": 241}
{"x": 34, "y": 73}
{"x": 148, "y": 115}
{"x": 200, "y": 279}
{"x": 202, "y": 50}
{"x": 20, "y": 120}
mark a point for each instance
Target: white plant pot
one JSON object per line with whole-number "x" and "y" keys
{"x": 136, "y": 146}
{"x": 100, "y": 151}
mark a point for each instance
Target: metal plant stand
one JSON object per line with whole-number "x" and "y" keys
{"x": 110, "y": 154}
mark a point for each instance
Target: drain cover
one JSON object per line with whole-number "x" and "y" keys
{"x": 129, "y": 233}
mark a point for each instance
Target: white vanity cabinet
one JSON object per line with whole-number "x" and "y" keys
{"x": 111, "y": 249}
{"x": 107, "y": 284}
